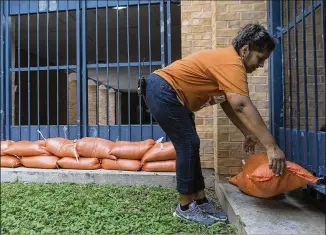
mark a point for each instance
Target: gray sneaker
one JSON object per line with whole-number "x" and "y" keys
{"x": 193, "y": 214}
{"x": 212, "y": 212}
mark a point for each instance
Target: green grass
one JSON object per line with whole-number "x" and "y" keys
{"x": 93, "y": 209}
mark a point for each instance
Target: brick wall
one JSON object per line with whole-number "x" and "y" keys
{"x": 213, "y": 24}
{"x": 196, "y": 34}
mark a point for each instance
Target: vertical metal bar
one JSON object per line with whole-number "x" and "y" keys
{"x": 289, "y": 70}
{"x": 67, "y": 71}
{"x": 305, "y": 79}
{"x": 298, "y": 145}
{"x": 150, "y": 58}
{"x": 29, "y": 74}
{"x": 162, "y": 33}
{"x": 97, "y": 86}
{"x": 78, "y": 47}
{"x": 107, "y": 68}
{"x": 283, "y": 77}
{"x": 323, "y": 28}
{"x": 139, "y": 72}
{"x": 19, "y": 76}
{"x": 7, "y": 70}
{"x": 162, "y": 37}
{"x": 276, "y": 73}
{"x": 47, "y": 71}
{"x": 129, "y": 79}
{"x": 315, "y": 78}
{"x": 2, "y": 84}
{"x": 58, "y": 103}
{"x": 38, "y": 70}
{"x": 118, "y": 68}
{"x": 84, "y": 69}
{"x": 169, "y": 29}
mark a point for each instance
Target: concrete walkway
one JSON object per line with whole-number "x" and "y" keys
{"x": 257, "y": 216}
{"x": 136, "y": 178}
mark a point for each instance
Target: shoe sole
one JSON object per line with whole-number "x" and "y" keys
{"x": 217, "y": 219}
{"x": 188, "y": 220}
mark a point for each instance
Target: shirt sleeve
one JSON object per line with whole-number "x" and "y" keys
{"x": 230, "y": 77}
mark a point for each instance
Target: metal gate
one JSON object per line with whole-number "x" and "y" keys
{"x": 297, "y": 84}
{"x": 70, "y": 68}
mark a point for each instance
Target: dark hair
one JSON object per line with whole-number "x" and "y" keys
{"x": 256, "y": 37}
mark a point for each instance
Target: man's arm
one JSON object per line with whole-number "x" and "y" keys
{"x": 234, "y": 118}
{"x": 251, "y": 119}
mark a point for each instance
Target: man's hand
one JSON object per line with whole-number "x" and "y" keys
{"x": 276, "y": 160}
{"x": 249, "y": 144}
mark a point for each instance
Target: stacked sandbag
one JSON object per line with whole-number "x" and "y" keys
{"x": 32, "y": 154}
{"x": 121, "y": 164}
{"x": 82, "y": 163}
{"x": 128, "y": 154}
{"x": 62, "y": 147}
{"x": 7, "y": 160}
{"x": 258, "y": 180}
{"x": 160, "y": 158}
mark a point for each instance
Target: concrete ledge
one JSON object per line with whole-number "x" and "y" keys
{"x": 22, "y": 174}
{"x": 164, "y": 179}
{"x": 257, "y": 216}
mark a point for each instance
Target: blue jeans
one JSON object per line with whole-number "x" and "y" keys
{"x": 177, "y": 122}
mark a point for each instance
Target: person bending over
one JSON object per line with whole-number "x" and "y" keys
{"x": 204, "y": 78}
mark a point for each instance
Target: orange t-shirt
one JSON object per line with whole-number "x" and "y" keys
{"x": 201, "y": 78}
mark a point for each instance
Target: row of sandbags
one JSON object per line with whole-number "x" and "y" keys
{"x": 54, "y": 162}
{"x": 92, "y": 153}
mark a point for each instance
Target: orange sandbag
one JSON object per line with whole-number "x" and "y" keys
{"x": 82, "y": 163}
{"x": 9, "y": 161}
{"x": 162, "y": 166}
{"x": 61, "y": 147}
{"x": 256, "y": 179}
{"x": 4, "y": 145}
{"x": 44, "y": 162}
{"x": 95, "y": 148}
{"x": 26, "y": 148}
{"x": 132, "y": 150}
{"x": 121, "y": 164}
{"x": 160, "y": 152}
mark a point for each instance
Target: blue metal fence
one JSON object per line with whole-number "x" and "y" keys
{"x": 128, "y": 36}
{"x": 297, "y": 81}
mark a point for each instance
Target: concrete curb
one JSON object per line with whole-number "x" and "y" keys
{"x": 286, "y": 215}
{"x": 22, "y": 174}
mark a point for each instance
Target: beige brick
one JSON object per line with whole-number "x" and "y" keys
{"x": 209, "y": 150}
{"x": 238, "y": 154}
{"x": 226, "y": 32}
{"x": 261, "y": 88}
{"x": 209, "y": 135}
{"x": 207, "y": 164}
{"x": 230, "y": 146}
{"x": 239, "y": 7}
{"x": 206, "y": 143}
{"x": 233, "y": 24}
{"x": 223, "y": 137}
{"x": 260, "y": 6}
{"x": 230, "y": 162}
{"x": 208, "y": 121}
{"x": 236, "y": 137}
{"x": 259, "y": 96}
{"x": 234, "y": 170}
{"x": 207, "y": 22}
{"x": 252, "y": 15}
{"x": 222, "y": 170}
{"x": 201, "y": 43}
{"x": 201, "y": 15}
{"x": 185, "y": 16}
{"x": 223, "y": 121}
{"x": 228, "y": 16}
{"x": 186, "y": 29}
{"x": 221, "y": 24}
{"x": 201, "y": 29}
{"x": 207, "y": 35}
{"x": 223, "y": 154}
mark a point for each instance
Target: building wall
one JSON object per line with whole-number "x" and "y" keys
{"x": 213, "y": 24}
